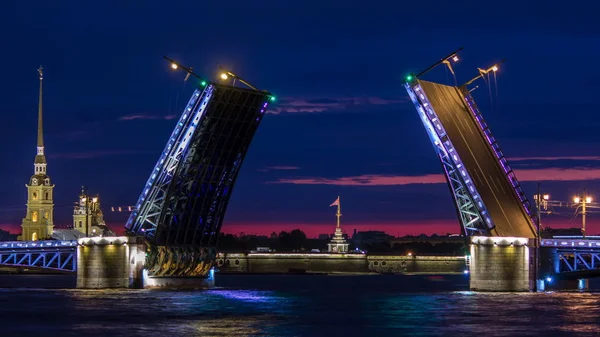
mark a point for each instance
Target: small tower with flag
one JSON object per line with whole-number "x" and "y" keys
{"x": 338, "y": 244}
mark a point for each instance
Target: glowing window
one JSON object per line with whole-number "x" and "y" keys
{"x": 34, "y": 216}
{"x": 34, "y": 196}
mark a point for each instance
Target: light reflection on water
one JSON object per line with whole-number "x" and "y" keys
{"x": 301, "y": 306}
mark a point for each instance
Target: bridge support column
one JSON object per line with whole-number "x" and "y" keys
{"x": 110, "y": 262}
{"x": 502, "y": 264}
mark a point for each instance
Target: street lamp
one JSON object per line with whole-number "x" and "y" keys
{"x": 483, "y": 72}
{"x": 583, "y": 200}
{"x": 539, "y": 200}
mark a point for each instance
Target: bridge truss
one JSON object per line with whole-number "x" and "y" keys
{"x": 472, "y": 212}
{"x": 53, "y": 255}
{"x": 182, "y": 206}
{"x": 575, "y": 255}
{"x": 450, "y": 115}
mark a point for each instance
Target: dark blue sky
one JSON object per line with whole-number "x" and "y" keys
{"x": 336, "y": 67}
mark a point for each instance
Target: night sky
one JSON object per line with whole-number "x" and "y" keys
{"x": 342, "y": 123}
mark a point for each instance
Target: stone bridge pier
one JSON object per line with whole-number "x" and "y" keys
{"x": 110, "y": 262}
{"x": 502, "y": 264}
{"x": 119, "y": 262}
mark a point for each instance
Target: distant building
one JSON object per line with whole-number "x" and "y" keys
{"x": 38, "y": 223}
{"x": 67, "y": 234}
{"x": 434, "y": 239}
{"x": 370, "y": 237}
{"x": 88, "y": 217}
{"x": 6, "y": 236}
{"x": 324, "y": 236}
{"x": 337, "y": 244}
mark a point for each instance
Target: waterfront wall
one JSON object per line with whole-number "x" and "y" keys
{"x": 276, "y": 263}
{"x": 416, "y": 264}
{"x": 502, "y": 264}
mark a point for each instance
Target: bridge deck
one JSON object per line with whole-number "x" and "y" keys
{"x": 571, "y": 243}
{"x": 49, "y": 254}
{"x": 496, "y": 191}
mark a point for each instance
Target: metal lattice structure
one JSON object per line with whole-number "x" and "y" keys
{"x": 470, "y": 208}
{"x": 54, "y": 255}
{"x": 574, "y": 261}
{"x": 494, "y": 203}
{"x": 574, "y": 255}
{"x": 182, "y": 206}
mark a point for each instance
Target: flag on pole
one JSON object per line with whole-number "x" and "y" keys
{"x": 336, "y": 202}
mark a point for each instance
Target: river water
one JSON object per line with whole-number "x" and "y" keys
{"x": 305, "y": 305}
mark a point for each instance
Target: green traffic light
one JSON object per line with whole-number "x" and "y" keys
{"x": 272, "y": 98}
{"x": 409, "y": 78}
{"x": 203, "y": 83}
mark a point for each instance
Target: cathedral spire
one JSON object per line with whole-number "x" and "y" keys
{"x": 40, "y": 133}
{"x": 40, "y": 158}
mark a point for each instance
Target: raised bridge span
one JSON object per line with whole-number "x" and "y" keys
{"x": 182, "y": 205}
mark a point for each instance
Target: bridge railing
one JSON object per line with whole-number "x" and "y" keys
{"x": 50, "y": 254}
{"x": 37, "y": 244}
{"x": 571, "y": 243}
{"x": 575, "y": 255}
{"x": 498, "y": 153}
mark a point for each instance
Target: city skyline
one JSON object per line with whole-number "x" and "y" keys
{"x": 343, "y": 127}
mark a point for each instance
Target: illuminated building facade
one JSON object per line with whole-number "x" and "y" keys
{"x": 88, "y": 217}
{"x": 38, "y": 223}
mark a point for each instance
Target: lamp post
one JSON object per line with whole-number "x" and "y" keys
{"x": 584, "y": 200}
{"x": 539, "y": 201}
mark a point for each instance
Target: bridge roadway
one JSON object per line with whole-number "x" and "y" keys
{"x": 492, "y": 183}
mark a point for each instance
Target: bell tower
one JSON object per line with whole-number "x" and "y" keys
{"x": 38, "y": 223}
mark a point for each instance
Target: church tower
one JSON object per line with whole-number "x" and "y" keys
{"x": 38, "y": 223}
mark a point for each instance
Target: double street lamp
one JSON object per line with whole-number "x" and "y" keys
{"x": 582, "y": 201}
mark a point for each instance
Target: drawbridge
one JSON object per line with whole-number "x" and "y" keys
{"x": 488, "y": 197}
{"x": 183, "y": 203}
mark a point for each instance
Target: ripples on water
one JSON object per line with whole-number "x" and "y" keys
{"x": 300, "y": 306}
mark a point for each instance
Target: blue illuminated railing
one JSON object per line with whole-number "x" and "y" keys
{"x": 571, "y": 243}
{"x": 498, "y": 153}
{"x": 172, "y": 139}
{"x": 574, "y": 255}
{"x": 440, "y": 136}
{"x": 55, "y": 255}
{"x": 150, "y": 203}
{"x": 37, "y": 244}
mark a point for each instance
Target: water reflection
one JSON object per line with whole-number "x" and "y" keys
{"x": 337, "y": 306}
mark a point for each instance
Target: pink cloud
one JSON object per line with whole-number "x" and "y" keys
{"x": 588, "y": 158}
{"x": 142, "y": 116}
{"x": 315, "y": 105}
{"x": 543, "y": 174}
{"x": 312, "y": 230}
{"x": 94, "y": 154}
{"x": 279, "y": 168}
{"x": 367, "y": 180}
{"x": 395, "y": 228}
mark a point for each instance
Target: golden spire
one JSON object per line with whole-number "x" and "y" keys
{"x": 40, "y": 135}
{"x": 339, "y": 211}
{"x": 40, "y": 159}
